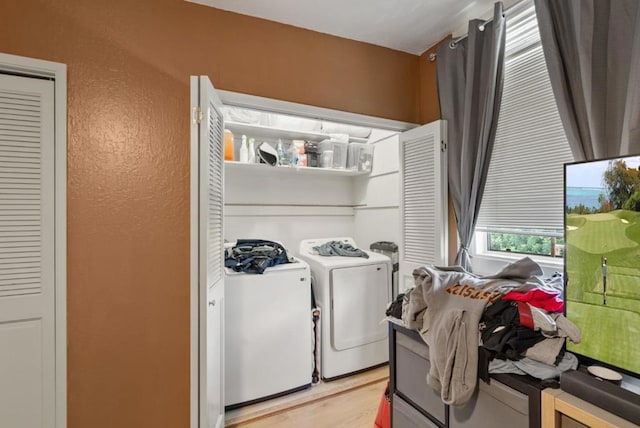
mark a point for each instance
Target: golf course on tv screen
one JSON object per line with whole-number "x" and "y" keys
{"x": 602, "y": 259}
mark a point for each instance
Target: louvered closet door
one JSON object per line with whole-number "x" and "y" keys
{"x": 27, "y": 361}
{"x": 211, "y": 161}
{"x": 423, "y": 180}
{"x": 211, "y": 252}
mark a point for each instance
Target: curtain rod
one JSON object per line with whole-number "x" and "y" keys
{"x": 432, "y": 56}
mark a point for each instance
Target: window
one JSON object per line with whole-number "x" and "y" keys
{"x": 534, "y": 242}
{"x": 522, "y": 206}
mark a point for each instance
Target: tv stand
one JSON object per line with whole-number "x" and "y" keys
{"x": 613, "y": 398}
{"x": 562, "y": 410}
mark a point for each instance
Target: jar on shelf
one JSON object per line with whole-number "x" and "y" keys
{"x": 228, "y": 145}
{"x": 312, "y": 154}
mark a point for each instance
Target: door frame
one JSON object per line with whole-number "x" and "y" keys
{"x": 31, "y": 67}
{"x": 194, "y": 255}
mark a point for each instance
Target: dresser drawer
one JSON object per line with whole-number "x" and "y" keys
{"x": 412, "y": 366}
{"x": 492, "y": 406}
{"x": 405, "y": 416}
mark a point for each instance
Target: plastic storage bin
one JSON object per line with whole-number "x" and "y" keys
{"x": 339, "y": 150}
{"x": 325, "y": 146}
{"x": 360, "y": 157}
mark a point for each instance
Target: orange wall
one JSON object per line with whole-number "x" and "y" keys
{"x": 428, "y": 95}
{"x": 129, "y": 63}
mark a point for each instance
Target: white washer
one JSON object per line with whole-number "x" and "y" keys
{"x": 352, "y": 293}
{"x": 268, "y": 333}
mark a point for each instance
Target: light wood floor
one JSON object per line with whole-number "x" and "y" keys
{"x": 351, "y": 402}
{"x": 352, "y": 409}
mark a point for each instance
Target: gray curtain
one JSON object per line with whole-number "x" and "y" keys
{"x": 592, "y": 49}
{"x": 470, "y": 80}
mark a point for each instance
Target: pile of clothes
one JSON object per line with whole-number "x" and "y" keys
{"x": 509, "y": 322}
{"x": 254, "y": 256}
{"x": 338, "y": 248}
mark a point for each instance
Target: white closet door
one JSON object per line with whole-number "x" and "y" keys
{"x": 209, "y": 127}
{"x": 423, "y": 181}
{"x": 27, "y": 325}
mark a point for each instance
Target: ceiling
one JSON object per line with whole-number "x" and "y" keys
{"x": 411, "y": 26}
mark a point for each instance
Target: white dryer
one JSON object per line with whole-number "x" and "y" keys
{"x": 352, "y": 293}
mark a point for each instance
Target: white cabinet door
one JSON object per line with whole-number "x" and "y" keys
{"x": 423, "y": 199}
{"x": 27, "y": 299}
{"x": 207, "y": 213}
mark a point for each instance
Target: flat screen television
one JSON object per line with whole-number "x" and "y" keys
{"x": 602, "y": 259}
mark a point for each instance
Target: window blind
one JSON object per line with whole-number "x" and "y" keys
{"x": 524, "y": 188}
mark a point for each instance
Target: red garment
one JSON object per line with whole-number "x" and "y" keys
{"x": 383, "y": 418}
{"x": 526, "y": 318}
{"x": 550, "y": 302}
